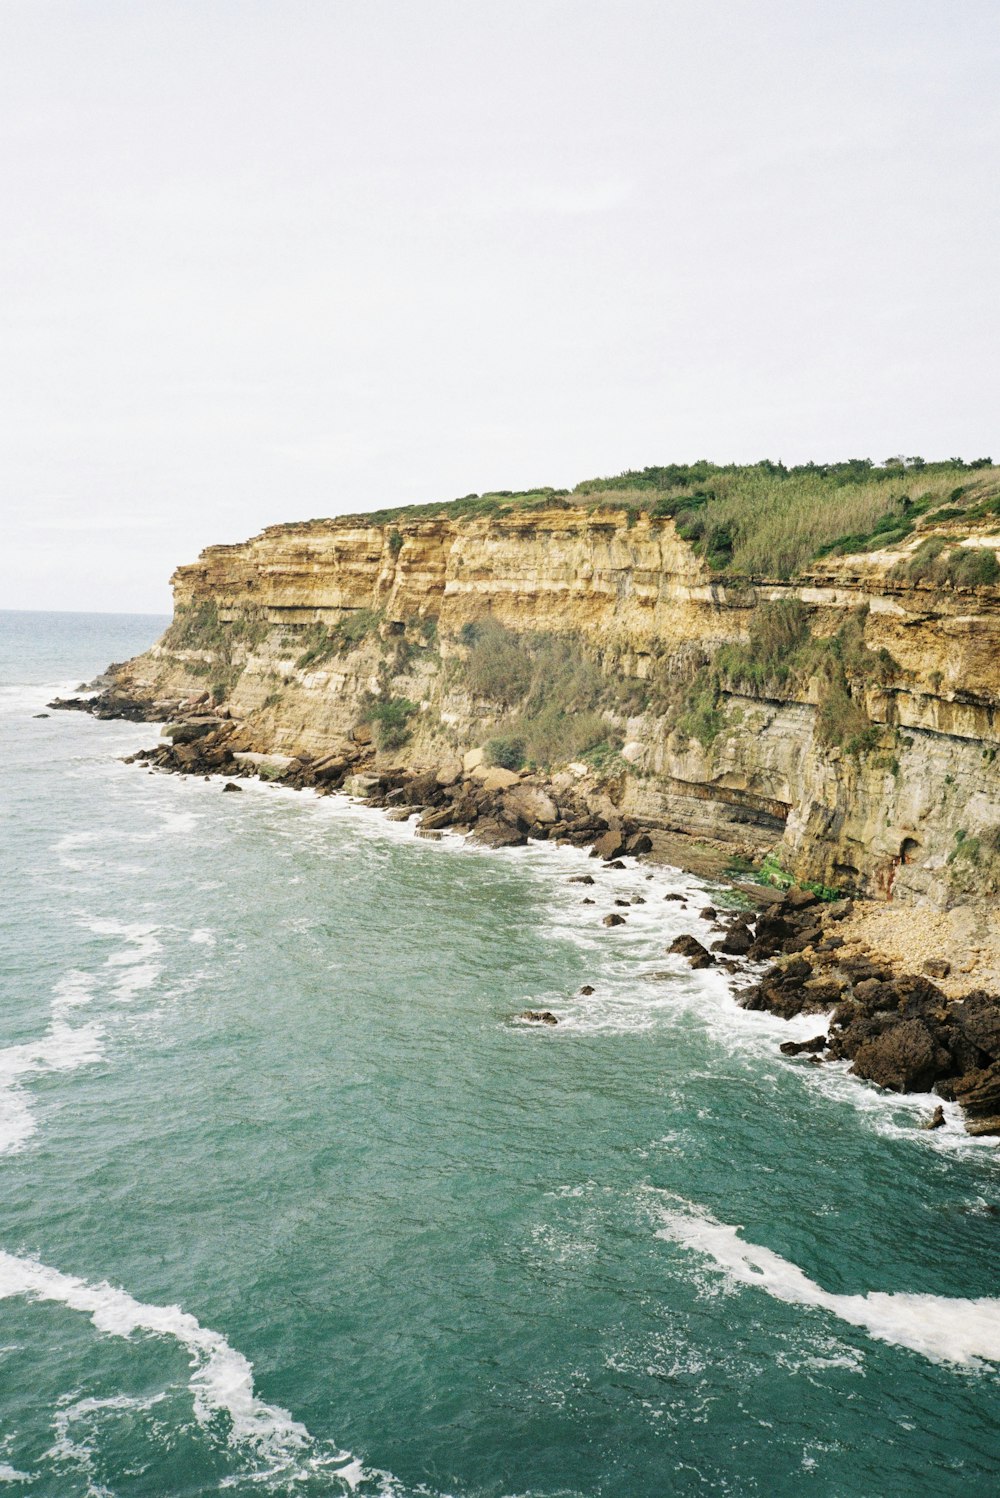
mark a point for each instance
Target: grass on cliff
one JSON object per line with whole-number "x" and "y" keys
{"x": 548, "y": 696}
{"x": 781, "y": 656}
{"x": 762, "y": 519}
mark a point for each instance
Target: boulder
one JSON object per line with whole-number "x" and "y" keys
{"x": 709, "y": 913}
{"x": 528, "y": 805}
{"x": 449, "y": 774}
{"x": 538, "y": 1016}
{"x": 610, "y": 845}
{"x": 586, "y": 990}
{"x": 581, "y": 879}
{"x": 498, "y": 779}
{"x": 472, "y": 760}
{"x": 613, "y": 920}
{"x": 803, "y": 1047}
{"x": 737, "y": 942}
{"x": 978, "y": 1018}
{"x": 422, "y": 789}
{"x": 639, "y": 842}
{"x": 434, "y": 821}
{"x": 979, "y": 1094}
{"x": 936, "y": 1120}
{"x": 363, "y": 733}
{"x": 936, "y": 967}
{"x": 231, "y": 785}
{"x": 493, "y": 833}
{"x": 905, "y": 1058}
{"x": 360, "y": 785}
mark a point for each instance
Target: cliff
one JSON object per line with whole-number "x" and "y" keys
{"x": 844, "y": 723}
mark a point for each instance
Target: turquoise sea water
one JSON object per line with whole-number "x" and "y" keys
{"x": 291, "y": 1203}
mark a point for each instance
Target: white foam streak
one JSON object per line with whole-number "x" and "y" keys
{"x": 222, "y": 1380}
{"x": 939, "y": 1327}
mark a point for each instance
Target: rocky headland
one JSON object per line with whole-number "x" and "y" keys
{"x": 593, "y": 676}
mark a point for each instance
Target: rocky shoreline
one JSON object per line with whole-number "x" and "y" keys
{"x": 898, "y": 1029}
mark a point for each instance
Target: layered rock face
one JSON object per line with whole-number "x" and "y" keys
{"x": 303, "y": 630}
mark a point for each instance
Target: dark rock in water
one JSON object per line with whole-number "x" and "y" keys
{"x": 637, "y": 900}
{"x": 615, "y": 863}
{"x": 231, "y": 785}
{"x": 586, "y": 990}
{"x": 613, "y": 920}
{"x": 689, "y": 947}
{"x": 40, "y": 715}
{"x": 496, "y": 834}
{"x": 782, "y": 991}
{"x": 587, "y": 901}
{"x": 736, "y": 942}
{"x": 803, "y": 1047}
{"x": 623, "y": 904}
{"x": 709, "y": 913}
{"x": 672, "y": 896}
{"x": 905, "y": 1058}
{"x": 581, "y": 879}
{"x": 936, "y": 967}
{"x": 539, "y": 1016}
{"x": 936, "y": 1120}
{"x": 979, "y": 1094}
{"x": 639, "y": 842}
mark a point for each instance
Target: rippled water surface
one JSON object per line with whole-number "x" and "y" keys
{"x": 292, "y": 1203}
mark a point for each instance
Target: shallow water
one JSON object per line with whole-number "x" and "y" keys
{"x": 291, "y": 1202}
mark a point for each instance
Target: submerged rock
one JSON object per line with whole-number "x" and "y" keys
{"x": 538, "y": 1016}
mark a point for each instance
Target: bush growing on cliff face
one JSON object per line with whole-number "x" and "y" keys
{"x": 391, "y": 717}
{"x": 507, "y": 753}
{"x": 550, "y": 691}
{"x": 322, "y": 642}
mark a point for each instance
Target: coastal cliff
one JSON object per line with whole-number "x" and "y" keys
{"x": 841, "y": 723}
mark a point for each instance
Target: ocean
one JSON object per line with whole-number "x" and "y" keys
{"x": 292, "y": 1202}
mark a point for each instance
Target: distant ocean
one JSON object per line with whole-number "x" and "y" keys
{"x": 293, "y": 1203}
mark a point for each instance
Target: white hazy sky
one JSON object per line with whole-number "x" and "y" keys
{"x": 262, "y": 260}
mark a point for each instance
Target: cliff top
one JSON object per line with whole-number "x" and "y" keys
{"x": 759, "y": 520}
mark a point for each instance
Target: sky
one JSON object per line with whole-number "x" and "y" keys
{"x": 264, "y": 260}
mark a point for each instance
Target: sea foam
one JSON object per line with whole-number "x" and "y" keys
{"x": 221, "y": 1379}
{"x": 939, "y": 1327}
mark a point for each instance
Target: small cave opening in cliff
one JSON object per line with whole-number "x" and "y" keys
{"x": 909, "y": 849}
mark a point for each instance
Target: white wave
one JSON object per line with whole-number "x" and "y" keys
{"x": 221, "y": 1380}
{"x": 62, "y": 1048}
{"x": 11, "y": 1474}
{"x": 939, "y": 1327}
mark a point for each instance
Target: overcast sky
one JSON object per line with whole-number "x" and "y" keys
{"x": 262, "y": 260}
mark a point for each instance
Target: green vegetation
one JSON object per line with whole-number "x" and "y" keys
{"x": 323, "y": 643}
{"x": 781, "y": 651}
{"x": 391, "y": 717}
{"x": 762, "y": 519}
{"x": 551, "y": 695}
{"x": 198, "y": 627}
{"x": 771, "y": 872}
{"x": 940, "y": 562}
{"x": 505, "y": 752}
